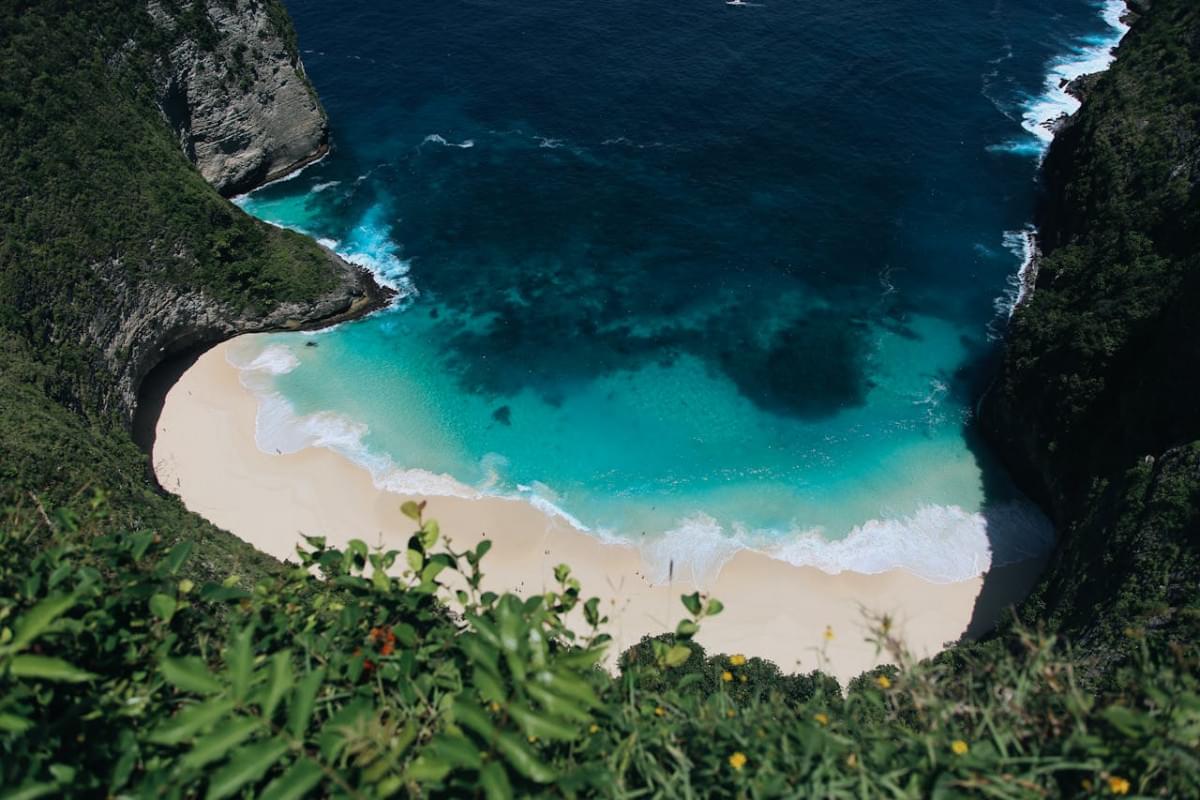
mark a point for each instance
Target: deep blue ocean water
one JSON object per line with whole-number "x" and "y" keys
{"x": 697, "y": 276}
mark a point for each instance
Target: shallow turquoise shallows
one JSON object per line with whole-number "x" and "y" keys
{"x": 693, "y": 276}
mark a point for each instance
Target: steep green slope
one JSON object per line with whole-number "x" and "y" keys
{"x": 1096, "y": 407}
{"x": 114, "y": 253}
{"x": 112, "y": 248}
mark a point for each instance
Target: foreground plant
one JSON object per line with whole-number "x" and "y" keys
{"x": 376, "y": 673}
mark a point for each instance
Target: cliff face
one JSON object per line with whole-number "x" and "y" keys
{"x": 1097, "y": 406}
{"x": 116, "y": 253}
{"x": 234, "y": 91}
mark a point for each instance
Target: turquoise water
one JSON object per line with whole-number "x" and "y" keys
{"x": 696, "y": 278}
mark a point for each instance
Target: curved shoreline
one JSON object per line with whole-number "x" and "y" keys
{"x": 204, "y": 452}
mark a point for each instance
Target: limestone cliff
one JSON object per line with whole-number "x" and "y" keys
{"x": 115, "y": 251}
{"x": 234, "y": 91}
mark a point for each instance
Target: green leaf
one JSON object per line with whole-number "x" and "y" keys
{"x": 190, "y": 721}
{"x": 297, "y": 782}
{"x": 523, "y": 759}
{"x": 190, "y": 674}
{"x": 692, "y": 603}
{"x": 715, "y": 607}
{"x": 250, "y": 764}
{"x": 426, "y": 768}
{"x": 31, "y": 791}
{"x": 47, "y": 669}
{"x": 303, "y": 701}
{"x": 556, "y": 704}
{"x": 541, "y": 725}
{"x": 140, "y": 543}
{"x": 11, "y": 723}
{"x": 34, "y": 622}
{"x": 239, "y": 661}
{"x": 686, "y": 629}
{"x": 163, "y": 607}
{"x": 279, "y": 681}
{"x": 677, "y": 655}
{"x": 430, "y": 532}
{"x": 561, "y": 572}
{"x": 62, "y": 773}
{"x": 494, "y": 782}
{"x": 482, "y": 548}
{"x": 431, "y": 571}
{"x": 472, "y": 717}
{"x": 218, "y": 744}
{"x": 591, "y": 611}
{"x": 568, "y": 685}
{"x": 1126, "y": 720}
{"x": 177, "y": 556}
{"x": 415, "y": 559}
{"x": 412, "y": 509}
{"x": 457, "y": 751}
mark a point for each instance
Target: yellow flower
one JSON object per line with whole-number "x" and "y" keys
{"x": 731, "y": 713}
{"x": 852, "y": 761}
{"x": 1118, "y": 785}
{"x": 659, "y": 711}
{"x": 822, "y": 719}
{"x": 727, "y": 676}
{"x": 829, "y": 633}
{"x": 495, "y": 707}
{"x": 737, "y": 659}
{"x": 593, "y": 728}
{"x": 959, "y": 747}
{"x": 884, "y": 682}
{"x": 737, "y": 760}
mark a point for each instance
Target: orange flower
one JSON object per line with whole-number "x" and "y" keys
{"x": 1118, "y": 785}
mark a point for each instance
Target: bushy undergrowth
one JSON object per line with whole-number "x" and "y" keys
{"x": 365, "y": 673}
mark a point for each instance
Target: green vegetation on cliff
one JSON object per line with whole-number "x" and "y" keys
{"x": 143, "y": 652}
{"x": 1096, "y": 405}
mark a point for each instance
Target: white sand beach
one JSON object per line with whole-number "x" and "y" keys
{"x": 204, "y": 451}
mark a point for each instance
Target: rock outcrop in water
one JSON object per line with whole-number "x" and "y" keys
{"x": 234, "y": 91}
{"x": 1096, "y": 405}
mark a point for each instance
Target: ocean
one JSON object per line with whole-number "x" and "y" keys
{"x": 694, "y": 276}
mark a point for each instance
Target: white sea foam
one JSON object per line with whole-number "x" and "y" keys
{"x": 293, "y": 174}
{"x": 320, "y": 187}
{"x": 695, "y": 550}
{"x": 1091, "y": 56}
{"x": 938, "y": 543}
{"x": 941, "y": 544}
{"x": 437, "y": 138}
{"x": 1018, "y": 285}
{"x": 370, "y": 246}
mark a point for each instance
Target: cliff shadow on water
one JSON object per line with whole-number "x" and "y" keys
{"x": 1013, "y": 575}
